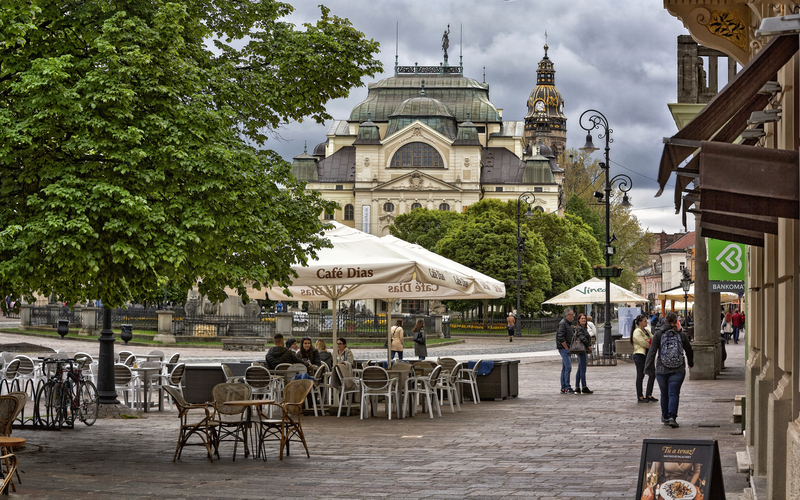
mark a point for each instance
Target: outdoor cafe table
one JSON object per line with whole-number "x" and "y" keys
{"x": 146, "y": 373}
{"x": 149, "y": 357}
{"x": 10, "y": 442}
{"x": 249, "y": 404}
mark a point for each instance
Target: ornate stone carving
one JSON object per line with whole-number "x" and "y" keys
{"x": 417, "y": 131}
{"x": 415, "y": 182}
{"x": 366, "y": 162}
{"x": 466, "y": 162}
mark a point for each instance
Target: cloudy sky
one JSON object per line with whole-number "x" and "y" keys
{"x": 616, "y": 56}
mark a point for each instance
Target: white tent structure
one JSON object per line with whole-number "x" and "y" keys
{"x": 362, "y": 266}
{"x": 594, "y": 291}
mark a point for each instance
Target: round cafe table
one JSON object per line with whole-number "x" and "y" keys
{"x": 249, "y": 404}
{"x": 11, "y": 465}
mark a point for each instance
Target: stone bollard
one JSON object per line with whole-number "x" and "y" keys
{"x": 437, "y": 325}
{"x": 164, "y": 334}
{"x": 25, "y": 311}
{"x": 283, "y": 324}
{"x": 89, "y": 321}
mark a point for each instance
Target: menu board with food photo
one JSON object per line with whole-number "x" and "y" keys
{"x": 680, "y": 470}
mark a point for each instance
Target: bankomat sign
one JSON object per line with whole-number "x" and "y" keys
{"x": 726, "y": 266}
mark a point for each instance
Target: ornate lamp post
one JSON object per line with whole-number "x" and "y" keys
{"x": 528, "y": 198}
{"x": 686, "y": 283}
{"x": 590, "y": 120}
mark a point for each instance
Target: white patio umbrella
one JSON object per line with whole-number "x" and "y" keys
{"x": 361, "y": 265}
{"x": 594, "y": 291}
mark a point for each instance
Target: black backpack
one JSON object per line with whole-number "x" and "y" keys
{"x": 671, "y": 349}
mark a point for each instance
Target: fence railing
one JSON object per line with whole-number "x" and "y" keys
{"x": 478, "y": 325}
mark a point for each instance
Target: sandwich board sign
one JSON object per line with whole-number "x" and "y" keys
{"x": 680, "y": 468}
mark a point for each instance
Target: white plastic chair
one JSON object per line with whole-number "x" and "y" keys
{"x": 375, "y": 381}
{"x": 27, "y": 373}
{"x": 126, "y": 382}
{"x": 87, "y": 365}
{"x": 418, "y": 386}
{"x": 470, "y": 378}
{"x": 349, "y": 385}
{"x": 447, "y": 385}
{"x": 173, "y": 380}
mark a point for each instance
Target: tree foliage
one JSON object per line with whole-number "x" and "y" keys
{"x": 488, "y": 244}
{"x": 126, "y": 150}
{"x": 425, "y": 227}
{"x": 578, "y": 207}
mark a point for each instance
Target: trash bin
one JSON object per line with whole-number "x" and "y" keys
{"x": 446, "y": 327}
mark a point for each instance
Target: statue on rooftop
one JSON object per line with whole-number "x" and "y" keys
{"x": 446, "y": 41}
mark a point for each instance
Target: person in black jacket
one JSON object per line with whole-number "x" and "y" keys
{"x": 563, "y": 340}
{"x": 308, "y": 353}
{"x": 280, "y": 354}
{"x": 586, "y": 340}
{"x": 669, "y": 379}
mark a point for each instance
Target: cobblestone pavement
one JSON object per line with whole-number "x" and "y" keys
{"x": 539, "y": 445}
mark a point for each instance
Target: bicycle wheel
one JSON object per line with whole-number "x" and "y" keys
{"x": 46, "y": 409}
{"x": 88, "y": 406}
{"x": 65, "y": 402}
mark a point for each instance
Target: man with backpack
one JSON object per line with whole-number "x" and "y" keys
{"x": 671, "y": 345}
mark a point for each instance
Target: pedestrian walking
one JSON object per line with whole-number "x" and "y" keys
{"x": 397, "y": 340}
{"x": 737, "y": 321}
{"x": 511, "y": 321}
{"x": 563, "y": 340}
{"x": 420, "y": 340}
{"x": 586, "y": 340}
{"x": 641, "y": 340}
{"x": 670, "y": 344}
{"x": 727, "y": 327}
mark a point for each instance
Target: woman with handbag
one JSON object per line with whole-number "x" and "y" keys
{"x": 397, "y": 339}
{"x": 641, "y": 339}
{"x": 420, "y": 341}
{"x": 581, "y": 336}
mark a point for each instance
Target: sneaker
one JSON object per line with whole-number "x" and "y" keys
{"x": 511, "y": 339}
{"x": 569, "y": 391}
{"x": 563, "y": 391}
{"x": 651, "y": 398}
{"x": 587, "y": 391}
{"x": 664, "y": 421}
{"x": 672, "y": 423}
{"x": 578, "y": 391}
{"x": 645, "y": 400}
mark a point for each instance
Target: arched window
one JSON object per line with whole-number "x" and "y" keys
{"x": 416, "y": 205}
{"x": 348, "y": 212}
{"x": 417, "y": 154}
{"x": 388, "y": 207}
{"x": 444, "y": 207}
{"x": 538, "y": 208}
{"x": 328, "y": 216}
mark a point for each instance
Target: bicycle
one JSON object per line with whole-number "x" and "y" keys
{"x": 65, "y": 396}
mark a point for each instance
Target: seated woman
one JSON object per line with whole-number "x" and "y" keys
{"x": 308, "y": 353}
{"x": 343, "y": 352}
{"x": 324, "y": 355}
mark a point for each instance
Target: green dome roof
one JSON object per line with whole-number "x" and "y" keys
{"x": 428, "y": 110}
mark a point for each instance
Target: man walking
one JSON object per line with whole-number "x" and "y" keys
{"x": 736, "y": 322}
{"x": 511, "y": 322}
{"x": 563, "y": 340}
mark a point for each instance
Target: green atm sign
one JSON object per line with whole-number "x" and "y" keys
{"x": 726, "y": 261}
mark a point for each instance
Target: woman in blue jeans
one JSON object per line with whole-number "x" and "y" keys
{"x": 671, "y": 345}
{"x": 586, "y": 340}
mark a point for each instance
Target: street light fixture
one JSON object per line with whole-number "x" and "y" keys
{"x": 528, "y": 198}
{"x": 686, "y": 284}
{"x": 590, "y": 120}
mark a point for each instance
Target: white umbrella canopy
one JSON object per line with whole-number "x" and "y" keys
{"x": 677, "y": 294}
{"x": 593, "y": 291}
{"x": 360, "y": 265}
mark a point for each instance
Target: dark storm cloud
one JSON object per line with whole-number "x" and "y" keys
{"x": 618, "y": 57}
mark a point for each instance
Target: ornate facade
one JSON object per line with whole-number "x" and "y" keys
{"x": 429, "y": 137}
{"x": 743, "y": 185}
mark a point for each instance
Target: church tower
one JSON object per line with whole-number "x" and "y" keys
{"x": 545, "y": 116}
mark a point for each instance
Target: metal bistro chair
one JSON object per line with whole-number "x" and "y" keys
{"x": 320, "y": 382}
{"x": 375, "y": 382}
{"x": 203, "y": 428}
{"x": 123, "y": 356}
{"x": 230, "y": 420}
{"x": 259, "y": 379}
{"x": 174, "y": 380}
{"x": 470, "y": 378}
{"x": 418, "y": 386}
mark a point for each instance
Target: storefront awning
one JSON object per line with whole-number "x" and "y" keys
{"x": 725, "y": 116}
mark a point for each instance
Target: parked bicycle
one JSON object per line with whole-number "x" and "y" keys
{"x": 65, "y": 395}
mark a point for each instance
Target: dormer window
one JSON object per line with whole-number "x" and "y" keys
{"x": 417, "y": 154}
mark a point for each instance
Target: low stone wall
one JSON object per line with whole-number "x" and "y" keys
{"x": 243, "y": 344}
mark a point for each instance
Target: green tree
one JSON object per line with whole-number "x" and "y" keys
{"x": 425, "y": 227}
{"x": 128, "y": 145}
{"x": 488, "y": 244}
{"x": 577, "y": 206}
{"x": 572, "y": 249}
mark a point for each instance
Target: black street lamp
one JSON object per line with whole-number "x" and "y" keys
{"x": 686, "y": 284}
{"x": 528, "y": 198}
{"x": 595, "y": 119}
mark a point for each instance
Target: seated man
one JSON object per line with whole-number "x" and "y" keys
{"x": 343, "y": 352}
{"x": 280, "y": 354}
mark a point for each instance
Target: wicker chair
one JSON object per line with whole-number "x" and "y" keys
{"x": 289, "y": 426}
{"x": 204, "y": 428}
{"x": 9, "y": 405}
{"x": 230, "y": 420}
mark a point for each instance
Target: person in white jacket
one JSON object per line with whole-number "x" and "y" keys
{"x": 592, "y": 329}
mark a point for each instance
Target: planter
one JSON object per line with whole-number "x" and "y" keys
{"x": 126, "y": 333}
{"x": 607, "y": 272}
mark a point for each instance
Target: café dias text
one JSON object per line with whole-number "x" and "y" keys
{"x": 340, "y": 273}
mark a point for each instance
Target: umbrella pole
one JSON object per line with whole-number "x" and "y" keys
{"x": 335, "y": 324}
{"x": 389, "y": 302}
